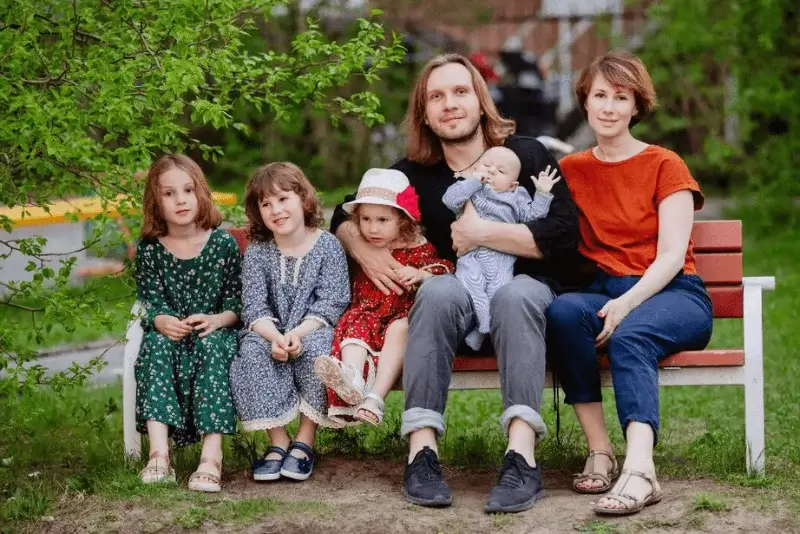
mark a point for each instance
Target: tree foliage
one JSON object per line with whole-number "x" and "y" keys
{"x": 726, "y": 74}
{"x": 91, "y": 92}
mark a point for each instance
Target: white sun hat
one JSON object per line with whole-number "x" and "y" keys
{"x": 387, "y": 187}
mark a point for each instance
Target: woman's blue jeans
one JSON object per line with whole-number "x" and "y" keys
{"x": 676, "y": 319}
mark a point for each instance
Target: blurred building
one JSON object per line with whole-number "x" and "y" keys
{"x": 535, "y": 47}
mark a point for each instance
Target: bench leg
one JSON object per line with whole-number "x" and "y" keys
{"x": 131, "y": 438}
{"x": 754, "y": 379}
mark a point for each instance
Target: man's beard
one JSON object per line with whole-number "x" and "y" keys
{"x": 463, "y": 139}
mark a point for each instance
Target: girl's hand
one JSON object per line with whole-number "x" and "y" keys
{"x": 410, "y": 276}
{"x": 613, "y": 313}
{"x": 172, "y": 327}
{"x": 293, "y": 344}
{"x": 546, "y": 180}
{"x": 279, "y": 349}
{"x": 204, "y": 322}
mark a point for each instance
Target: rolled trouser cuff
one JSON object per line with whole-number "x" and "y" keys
{"x": 527, "y": 414}
{"x": 419, "y": 418}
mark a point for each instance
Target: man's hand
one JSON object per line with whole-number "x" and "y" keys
{"x": 377, "y": 263}
{"x": 172, "y": 327}
{"x": 467, "y": 232}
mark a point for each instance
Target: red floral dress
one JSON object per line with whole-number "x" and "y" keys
{"x": 371, "y": 312}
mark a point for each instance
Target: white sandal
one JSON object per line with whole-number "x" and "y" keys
{"x": 341, "y": 378}
{"x": 372, "y": 404}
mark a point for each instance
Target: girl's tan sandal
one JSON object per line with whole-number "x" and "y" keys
{"x": 155, "y": 474}
{"x": 607, "y": 479}
{"x": 206, "y": 481}
{"x": 631, "y": 504}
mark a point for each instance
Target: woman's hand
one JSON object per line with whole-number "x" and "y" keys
{"x": 378, "y": 264}
{"x": 613, "y": 313}
{"x": 172, "y": 327}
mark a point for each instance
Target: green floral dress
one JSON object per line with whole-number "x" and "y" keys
{"x": 184, "y": 384}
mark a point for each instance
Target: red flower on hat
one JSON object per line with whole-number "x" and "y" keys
{"x": 409, "y": 201}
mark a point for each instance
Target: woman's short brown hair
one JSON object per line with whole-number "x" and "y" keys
{"x": 620, "y": 69}
{"x": 423, "y": 146}
{"x": 154, "y": 225}
{"x": 410, "y": 230}
{"x": 272, "y": 179}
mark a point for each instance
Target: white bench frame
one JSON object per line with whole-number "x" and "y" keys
{"x": 751, "y": 376}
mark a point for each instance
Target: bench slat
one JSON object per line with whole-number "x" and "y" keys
{"x": 694, "y": 358}
{"x": 728, "y": 301}
{"x": 717, "y": 236}
{"x": 720, "y": 268}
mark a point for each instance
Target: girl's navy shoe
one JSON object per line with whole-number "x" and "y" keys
{"x": 298, "y": 468}
{"x": 264, "y": 469}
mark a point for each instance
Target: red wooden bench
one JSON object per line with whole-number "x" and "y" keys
{"x": 718, "y": 247}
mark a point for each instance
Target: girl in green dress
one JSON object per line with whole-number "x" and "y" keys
{"x": 188, "y": 276}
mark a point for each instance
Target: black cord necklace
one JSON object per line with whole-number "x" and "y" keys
{"x": 470, "y": 165}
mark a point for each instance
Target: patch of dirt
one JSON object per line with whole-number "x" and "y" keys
{"x": 364, "y": 495}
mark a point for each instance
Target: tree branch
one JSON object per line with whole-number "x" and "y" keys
{"x": 146, "y": 46}
{"x": 41, "y": 255}
{"x": 20, "y": 306}
{"x": 76, "y": 30}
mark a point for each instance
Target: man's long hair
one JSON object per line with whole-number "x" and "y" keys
{"x": 423, "y": 145}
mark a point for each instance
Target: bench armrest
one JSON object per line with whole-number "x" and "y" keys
{"x": 764, "y": 282}
{"x": 133, "y": 341}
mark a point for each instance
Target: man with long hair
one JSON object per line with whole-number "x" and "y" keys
{"x": 451, "y": 121}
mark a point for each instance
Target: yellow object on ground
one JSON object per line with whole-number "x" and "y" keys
{"x": 83, "y": 208}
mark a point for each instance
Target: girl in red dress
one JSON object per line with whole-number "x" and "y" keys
{"x": 375, "y": 326}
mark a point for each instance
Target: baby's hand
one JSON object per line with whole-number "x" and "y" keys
{"x": 546, "y": 180}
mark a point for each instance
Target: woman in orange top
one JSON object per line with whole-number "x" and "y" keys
{"x": 635, "y": 203}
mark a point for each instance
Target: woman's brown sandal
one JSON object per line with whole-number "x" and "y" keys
{"x": 206, "y": 481}
{"x": 606, "y": 478}
{"x": 630, "y": 503}
{"x": 155, "y": 474}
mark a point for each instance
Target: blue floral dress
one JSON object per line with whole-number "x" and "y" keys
{"x": 287, "y": 290}
{"x": 185, "y": 384}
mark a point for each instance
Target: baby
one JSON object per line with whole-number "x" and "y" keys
{"x": 493, "y": 188}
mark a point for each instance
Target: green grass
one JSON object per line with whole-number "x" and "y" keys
{"x": 709, "y": 503}
{"x": 242, "y": 511}
{"x": 598, "y": 527}
{"x": 53, "y": 446}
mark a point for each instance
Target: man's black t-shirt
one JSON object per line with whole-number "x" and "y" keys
{"x": 555, "y": 235}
